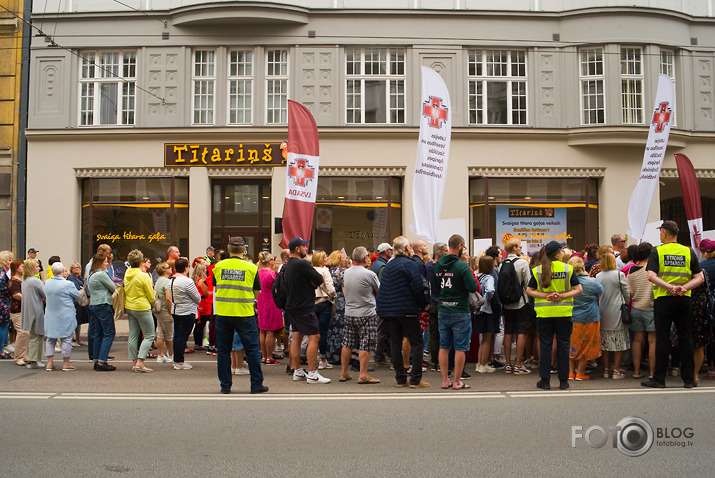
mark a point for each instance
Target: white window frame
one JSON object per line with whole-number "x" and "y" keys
{"x": 246, "y": 78}
{"x": 395, "y": 84}
{"x": 481, "y": 70}
{"x": 590, "y": 77}
{"x": 282, "y": 78}
{"x": 632, "y": 96}
{"x": 205, "y": 77}
{"x": 94, "y": 72}
{"x": 668, "y": 68}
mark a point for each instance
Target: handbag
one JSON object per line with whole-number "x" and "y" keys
{"x": 83, "y": 299}
{"x": 156, "y": 306}
{"x": 626, "y": 317}
{"x": 476, "y": 301}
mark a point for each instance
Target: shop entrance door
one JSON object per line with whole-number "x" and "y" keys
{"x": 241, "y": 207}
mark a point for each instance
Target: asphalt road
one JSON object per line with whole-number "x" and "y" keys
{"x": 86, "y": 423}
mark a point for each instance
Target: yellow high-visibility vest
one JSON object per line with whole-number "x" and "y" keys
{"x": 673, "y": 267}
{"x": 234, "y": 292}
{"x": 561, "y": 283}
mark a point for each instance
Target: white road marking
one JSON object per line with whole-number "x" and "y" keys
{"x": 407, "y": 395}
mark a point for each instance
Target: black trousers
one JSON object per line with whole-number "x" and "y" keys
{"x": 408, "y": 327}
{"x": 668, "y": 311}
{"x": 383, "y": 340}
{"x": 433, "y": 331}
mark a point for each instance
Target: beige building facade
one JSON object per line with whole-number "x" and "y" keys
{"x": 152, "y": 124}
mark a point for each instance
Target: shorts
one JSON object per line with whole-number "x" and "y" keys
{"x": 642, "y": 320}
{"x": 237, "y": 344}
{"x": 164, "y": 325}
{"x": 305, "y": 323}
{"x": 518, "y": 320}
{"x": 360, "y": 333}
{"x": 455, "y": 330}
{"x": 484, "y": 323}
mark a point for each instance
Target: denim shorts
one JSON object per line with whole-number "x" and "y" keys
{"x": 455, "y": 330}
{"x": 642, "y": 320}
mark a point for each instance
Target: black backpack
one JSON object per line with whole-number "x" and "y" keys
{"x": 509, "y": 288}
{"x": 280, "y": 290}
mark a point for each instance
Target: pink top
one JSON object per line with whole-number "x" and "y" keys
{"x": 270, "y": 317}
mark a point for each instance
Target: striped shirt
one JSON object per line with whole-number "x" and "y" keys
{"x": 641, "y": 288}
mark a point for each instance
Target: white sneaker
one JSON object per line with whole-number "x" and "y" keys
{"x": 169, "y": 359}
{"x": 299, "y": 375}
{"x": 35, "y": 365}
{"x": 324, "y": 364}
{"x": 489, "y": 369}
{"x": 161, "y": 359}
{"x": 317, "y": 378}
{"x": 242, "y": 371}
{"x": 183, "y": 366}
{"x": 10, "y": 348}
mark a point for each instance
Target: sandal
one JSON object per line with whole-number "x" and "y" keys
{"x": 150, "y": 356}
{"x": 368, "y": 380}
{"x": 6, "y": 356}
{"x": 142, "y": 369}
{"x": 463, "y": 387}
{"x": 448, "y": 386}
{"x": 69, "y": 368}
{"x": 345, "y": 378}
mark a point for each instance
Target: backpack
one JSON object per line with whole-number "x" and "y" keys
{"x": 508, "y": 287}
{"x": 279, "y": 290}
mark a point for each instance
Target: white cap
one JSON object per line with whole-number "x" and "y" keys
{"x": 383, "y": 247}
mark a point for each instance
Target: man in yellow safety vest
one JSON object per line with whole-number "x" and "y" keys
{"x": 236, "y": 285}
{"x": 674, "y": 270}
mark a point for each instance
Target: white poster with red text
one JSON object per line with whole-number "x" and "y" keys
{"x": 642, "y": 197}
{"x": 432, "y": 155}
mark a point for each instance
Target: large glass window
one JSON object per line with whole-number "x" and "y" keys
{"x": 356, "y": 211}
{"x": 592, "y": 78}
{"x": 667, "y": 67}
{"x": 497, "y": 87}
{"x": 536, "y": 209}
{"x": 149, "y": 214}
{"x": 204, "y": 81}
{"x": 240, "y": 86}
{"x": 277, "y": 87}
{"x": 375, "y": 88}
{"x": 107, "y": 88}
{"x": 632, "y": 85}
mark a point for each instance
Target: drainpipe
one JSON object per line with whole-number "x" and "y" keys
{"x": 22, "y": 147}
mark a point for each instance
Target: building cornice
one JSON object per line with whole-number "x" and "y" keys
{"x": 700, "y": 173}
{"x": 517, "y": 172}
{"x": 129, "y": 172}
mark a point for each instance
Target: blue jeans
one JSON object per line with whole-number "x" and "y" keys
{"x": 4, "y": 335}
{"x": 102, "y": 316}
{"x": 547, "y": 327}
{"x": 455, "y": 331}
{"x": 247, "y": 328}
{"x": 324, "y": 311}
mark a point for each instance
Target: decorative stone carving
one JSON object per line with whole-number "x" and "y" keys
{"x": 240, "y": 172}
{"x": 309, "y": 58}
{"x": 538, "y": 172}
{"x": 700, "y": 173}
{"x": 362, "y": 171}
{"x": 130, "y": 172}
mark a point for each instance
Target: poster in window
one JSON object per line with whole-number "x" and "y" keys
{"x": 535, "y": 225}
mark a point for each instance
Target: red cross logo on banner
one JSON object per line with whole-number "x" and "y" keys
{"x": 434, "y": 111}
{"x": 300, "y": 173}
{"x": 661, "y": 116}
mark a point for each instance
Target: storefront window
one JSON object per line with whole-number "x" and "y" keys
{"x": 536, "y": 209}
{"x": 353, "y": 212}
{"x": 148, "y": 214}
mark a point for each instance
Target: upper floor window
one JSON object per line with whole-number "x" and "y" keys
{"x": 240, "y": 86}
{"x": 632, "y": 85}
{"x": 592, "y": 78}
{"x": 375, "y": 85}
{"x": 497, "y": 87}
{"x": 204, "y": 82}
{"x": 277, "y": 87}
{"x": 108, "y": 88}
{"x": 667, "y": 67}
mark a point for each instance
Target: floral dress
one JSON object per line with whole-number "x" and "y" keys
{"x": 335, "y": 331}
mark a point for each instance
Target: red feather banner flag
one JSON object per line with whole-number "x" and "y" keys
{"x": 691, "y": 197}
{"x": 302, "y": 173}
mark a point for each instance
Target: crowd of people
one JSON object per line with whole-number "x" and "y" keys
{"x": 638, "y": 311}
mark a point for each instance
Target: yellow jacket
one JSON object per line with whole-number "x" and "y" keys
{"x": 138, "y": 290}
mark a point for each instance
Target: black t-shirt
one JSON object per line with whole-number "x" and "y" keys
{"x": 302, "y": 280}
{"x": 654, "y": 263}
{"x": 574, "y": 281}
